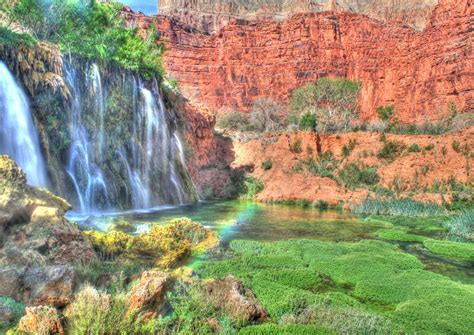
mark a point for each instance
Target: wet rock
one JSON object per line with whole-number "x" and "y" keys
{"x": 10, "y": 282}
{"x": 232, "y": 297}
{"x": 35, "y": 231}
{"x": 148, "y": 296}
{"x": 41, "y": 320}
{"x": 51, "y": 285}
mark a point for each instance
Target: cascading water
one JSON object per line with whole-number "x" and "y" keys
{"x": 18, "y": 136}
{"x": 124, "y": 149}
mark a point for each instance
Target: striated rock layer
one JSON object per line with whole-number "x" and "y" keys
{"x": 421, "y": 73}
{"x": 209, "y": 15}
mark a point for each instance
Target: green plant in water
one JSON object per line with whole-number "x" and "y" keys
{"x": 398, "y": 207}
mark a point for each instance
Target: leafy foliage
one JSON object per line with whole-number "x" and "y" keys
{"x": 7, "y": 37}
{"x": 251, "y": 187}
{"x": 331, "y": 103}
{"x": 93, "y": 30}
{"x": 354, "y": 175}
{"x": 391, "y": 150}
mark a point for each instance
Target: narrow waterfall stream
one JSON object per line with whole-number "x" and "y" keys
{"x": 18, "y": 135}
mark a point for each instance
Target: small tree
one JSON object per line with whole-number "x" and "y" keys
{"x": 266, "y": 115}
{"x": 386, "y": 113}
{"x": 332, "y": 100}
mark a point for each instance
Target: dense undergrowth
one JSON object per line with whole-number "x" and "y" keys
{"x": 90, "y": 29}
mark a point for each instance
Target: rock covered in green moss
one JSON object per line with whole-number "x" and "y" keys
{"x": 450, "y": 249}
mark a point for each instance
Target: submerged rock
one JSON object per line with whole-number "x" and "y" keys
{"x": 42, "y": 320}
{"x": 148, "y": 296}
{"x": 232, "y": 297}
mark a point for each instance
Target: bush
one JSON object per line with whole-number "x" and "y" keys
{"x": 391, "y": 150}
{"x": 10, "y": 38}
{"x": 332, "y": 101}
{"x": 252, "y": 186}
{"x": 267, "y": 165}
{"x": 308, "y": 122}
{"x": 386, "y": 113}
{"x": 354, "y": 175}
{"x": 17, "y": 308}
{"x": 323, "y": 166}
{"x": 232, "y": 121}
{"x": 295, "y": 147}
{"x": 266, "y": 115}
{"x": 348, "y": 148}
{"x": 414, "y": 148}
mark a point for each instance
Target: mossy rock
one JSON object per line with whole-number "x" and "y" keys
{"x": 450, "y": 249}
{"x": 399, "y": 236}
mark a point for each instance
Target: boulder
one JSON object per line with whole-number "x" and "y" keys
{"x": 33, "y": 229}
{"x": 232, "y": 297}
{"x": 148, "y": 297}
{"x": 10, "y": 282}
{"x": 52, "y": 285}
{"x": 41, "y": 320}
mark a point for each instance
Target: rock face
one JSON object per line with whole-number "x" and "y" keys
{"x": 421, "y": 73}
{"x": 209, "y": 15}
{"x": 232, "y": 297}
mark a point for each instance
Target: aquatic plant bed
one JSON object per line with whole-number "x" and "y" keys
{"x": 365, "y": 287}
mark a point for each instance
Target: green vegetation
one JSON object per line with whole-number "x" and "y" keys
{"x": 348, "y": 148}
{"x": 398, "y": 235}
{"x": 391, "y": 150}
{"x": 162, "y": 246}
{"x": 7, "y": 37}
{"x": 450, "y": 249}
{"x": 232, "y": 121}
{"x": 400, "y": 207}
{"x": 355, "y": 288}
{"x": 293, "y": 329}
{"x": 17, "y": 309}
{"x": 354, "y": 175}
{"x": 267, "y": 164}
{"x": 386, "y": 113}
{"x": 93, "y": 30}
{"x": 295, "y": 147}
{"x": 328, "y": 105}
{"x": 251, "y": 187}
{"x": 323, "y": 165}
{"x": 461, "y": 226}
{"x": 414, "y": 148}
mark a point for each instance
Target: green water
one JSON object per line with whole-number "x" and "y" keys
{"x": 271, "y": 222}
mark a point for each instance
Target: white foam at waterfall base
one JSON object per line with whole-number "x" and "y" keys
{"x": 18, "y": 136}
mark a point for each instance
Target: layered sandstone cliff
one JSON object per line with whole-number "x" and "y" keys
{"x": 420, "y": 73}
{"x": 210, "y": 15}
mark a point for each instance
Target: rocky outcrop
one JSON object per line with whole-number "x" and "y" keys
{"x": 232, "y": 297}
{"x": 41, "y": 320}
{"x": 420, "y": 73}
{"x": 438, "y": 162}
{"x": 147, "y": 298}
{"x": 34, "y": 230}
{"x": 210, "y": 15}
{"x": 35, "y": 241}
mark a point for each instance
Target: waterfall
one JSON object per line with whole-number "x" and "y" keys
{"x": 125, "y": 151}
{"x": 18, "y": 135}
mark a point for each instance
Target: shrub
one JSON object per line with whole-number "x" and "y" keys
{"x": 252, "y": 186}
{"x": 308, "y": 121}
{"x": 323, "y": 166}
{"x": 391, "y": 150}
{"x": 295, "y": 147}
{"x": 266, "y": 115}
{"x": 349, "y": 147}
{"x": 386, "y": 113}
{"x": 332, "y": 101}
{"x": 354, "y": 175}
{"x": 414, "y": 148}
{"x": 17, "y": 308}
{"x": 232, "y": 121}
{"x": 267, "y": 164}
{"x": 10, "y": 38}
{"x": 429, "y": 147}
